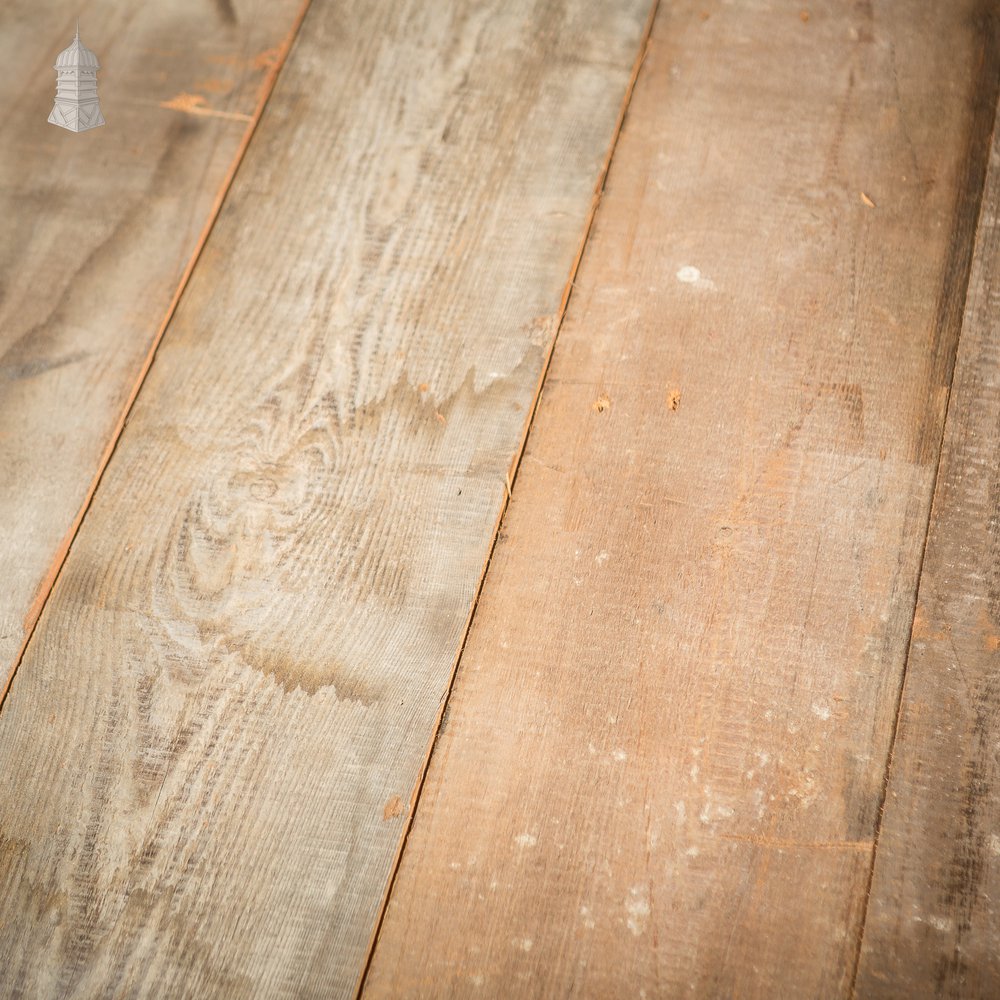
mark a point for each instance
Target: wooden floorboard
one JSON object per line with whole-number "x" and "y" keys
{"x": 98, "y": 231}
{"x": 933, "y": 923}
{"x": 208, "y": 752}
{"x": 663, "y": 758}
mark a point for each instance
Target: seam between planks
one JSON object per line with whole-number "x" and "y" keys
{"x": 509, "y": 480}
{"x": 901, "y": 691}
{"x": 265, "y": 90}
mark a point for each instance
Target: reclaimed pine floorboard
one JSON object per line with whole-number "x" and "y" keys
{"x": 208, "y": 752}
{"x": 662, "y": 762}
{"x": 933, "y": 922}
{"x": 98, "y": 230}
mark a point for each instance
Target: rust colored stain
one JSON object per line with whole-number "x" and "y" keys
{"x": 393, "y": 808}
{"x": 270, "y": 58}
{"x": 195, "y": 104}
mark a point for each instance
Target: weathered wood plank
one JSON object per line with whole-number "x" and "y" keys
{"x": 933, "y": 922}
{"x": 661, "y": 766}
{"x": 207, "y": 753}
{"x": 98, "y": 230}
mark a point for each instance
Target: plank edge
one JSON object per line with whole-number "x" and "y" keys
{"x": 511, "y": 478}
{"x": 986, "y": 153}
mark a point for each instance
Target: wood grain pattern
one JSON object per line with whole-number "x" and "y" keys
{"x": 661, "y": 766}
{"x": 232, "y": 689}
{"x": 933, "y": 922}
{"x": 98, "y": 230}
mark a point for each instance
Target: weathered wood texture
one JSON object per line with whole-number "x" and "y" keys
{"x": 933, "y": 924}
{"x": 660, "y": 769}
{"x": 207, "y": 755}
{"x": 96, "y": 232}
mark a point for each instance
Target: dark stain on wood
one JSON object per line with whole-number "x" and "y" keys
{"x": 226, "y": 11}
{"x": 984, "y": 88}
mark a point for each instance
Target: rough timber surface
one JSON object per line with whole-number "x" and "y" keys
{"x": 97, "y": 230}
{"x": 209, "y": 750}
{"x": 933, "y": 924}
{"x": 661, "y": 767}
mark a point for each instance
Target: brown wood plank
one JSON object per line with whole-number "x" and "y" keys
{"x": 933, "y": 922}
{"x": 99, "y": 230}
{"x": 208, "y": 752}
{"x": 661, "y": 766}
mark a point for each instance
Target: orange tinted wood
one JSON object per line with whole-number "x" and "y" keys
{"x": 662, "y": 762}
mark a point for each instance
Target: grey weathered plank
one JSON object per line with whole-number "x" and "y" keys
{"x": 933, "y": 921}
{"x": 96, "y": 233}
{"x": 663, "y": 758}
{"x": 206, "y": 753}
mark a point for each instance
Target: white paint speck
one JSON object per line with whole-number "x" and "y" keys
{"x": 939, "y": 923}
{"x": 587, "y": 918}
{"x": 994, "y": 844}
{"x": 692, "y": 851}
{"x": 477, "y": 980}
{"x": 820, "y": 710}
{"x": 525, "y": 840}
{"x": 637, "y": 908}
{"x": 619, "y": 755}
{"x": 601, "y": 558}
{"x": 681, "y": 810}
{"x": 688, "y": 274}
{"x": 525, "y": 944}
